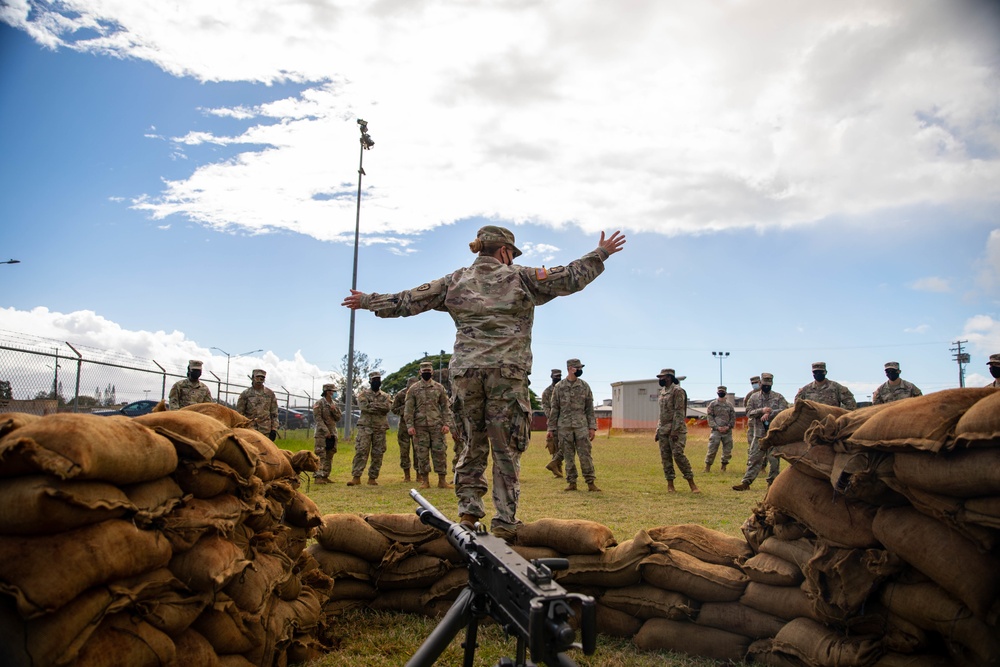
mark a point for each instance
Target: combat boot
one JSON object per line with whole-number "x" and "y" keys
{"x": 694, "y": 487}
{"x": 559, "y": 468}
{"x": 443, "y": 483}
{"x": 670, "y": 486}
{"x": 372, "y": 481}
{"x": 321, "y": 480}
{"x": 468, "y": 520}
{"x": 741, "y": 487}
{"x": 592, "y": 487}
{"x": 424, "y": 484}
{"x": 355, "y": 481}
{"x": 723, "y": 467}
{"x": 406, "y": 474}
{"x": 570, "y": 487}
{"x": 553, "y": 467}
{"x": 708, "y": 467}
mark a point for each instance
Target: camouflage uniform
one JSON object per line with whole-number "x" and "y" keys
{"x": 327, "y": 416}
{"x": 493, "y": 306}
{"x": 406, "y": 444}
{"x": 185, "y": 392}
{"x": 671, "y": 432}
{"x": 721, "y": 413}
{"x": 370, "y": 434}
{"x": 551, "y": 444}
{"x": 427, "y": 411}
{"x": 746, "y": 399}
{"x": 993, "y": 363}
{"x": 887, "y": 393}
{"x": 755, "y": 409}
{"x": 260, "y": 406}
{"x": 571, "y": 415}
{"x": 827, "y": 392}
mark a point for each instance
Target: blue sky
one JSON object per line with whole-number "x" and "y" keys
{"x": 797, "y": 183}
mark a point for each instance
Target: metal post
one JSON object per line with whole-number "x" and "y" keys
{"x": 721, "y": 356}
{"x": 218, "y": 387}
{"x": 76, "y": 392}
{"x": 163, "y": 386}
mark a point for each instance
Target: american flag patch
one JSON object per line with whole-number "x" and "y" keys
{"x": 541, "y": 273}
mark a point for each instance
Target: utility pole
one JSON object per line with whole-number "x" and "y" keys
{"x": 962, "y": 358}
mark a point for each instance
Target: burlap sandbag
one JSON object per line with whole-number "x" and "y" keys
{"x": 815, "y": 463}
{"x": 859, "y": 475}
{"x": 253, "y": 586}
{"x": 703, "y": 543}
{"x": 113, "y": 449}
{"x": 831, "y": 430}
{"x": 302, "y": 511}
{"x": 84, "y": 557}
{"x": 41, "y": 504}
{"x": 615, "y": 623}
{"x": 891, "y": 659}
{"x": 739, "y": 618}
{"x": 440, "y": 547}
{"x": 406, "y": 528}
{"x": 449, "y": 586}
{"x": 199, "y": 436}
{"x": 335, "y": 608}
{"x": 272, "y": 463}
{"x": 818, "y": 646}
{"x": 964, "y": 473}
{"x": 292, "y": 541}
{"x": 210, "y": 564}
{"x": 567, "y": 536}
{"x": 231, "y": 660}
{"x": 228, "y": 628}
{"x": 765, "y": 568}
{"x": 207, "y": 479}
{"x": 950, "y": 560}
{"x": 174, "y": 611}
{"x": 675, "y": 570}
{"x": 154, "y": 499}
{"x": 977, "y": 526}
{"x": 192, "y": 649}
{"x": 615, "y": 567}
{"x": 980, "y": 425}
{"x": 531, "y": 553}
{"x": 840, "y": 581}
{"x": 794, "y": 551}
{"x": 645, "y": 601}
{"x": 338, "y": 564}
{"x": 785, "y": 602}
{"x": 815, "y": 504}
{"x": 195, "y": 518}
{"x": 351, "y": 589}
{"x": 10, "y": 421}
{"x": 791, "y": 425}
{"x": 757, "y": 528}
{"x": 349, "y": 533}
{"x": 413, "y": 572}
{"x": 226, "y": 415}
{"x": 661, "y": 634}
{"x": 924, "y": 422}
{"x": 122, "y": 639}
{"x": 302, "y": 461}
{"x": 408, "y": 601}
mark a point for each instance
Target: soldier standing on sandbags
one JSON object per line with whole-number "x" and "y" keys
{"x": 327, "y": 414}
{"x": 573, "y": 424}
{"x": 994, "y": 366}
{"x": 671, "y": 431}
{"x": 762, "y": 408}
{"x": 827, "y": 392}
{"x": 896, "y": 389}
{"x": 190, "y": 390}
{"x": 721, "y": 419}
{"x": 551, "y": 443}
{"x": 369, "y": 439}
{"x": 402, "y": 436}
{"x": 260, "y": 406}
{"x": 428, "y": 419}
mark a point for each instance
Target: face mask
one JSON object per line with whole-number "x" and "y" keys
{"x": 720, "y": 394}
{"x": 376, "y": 384}
{"x": 663, "y": 383}
{"x": 579, "y": 372}
{"x": 892, "y": 375}
{"x": 755, "y": 385}
{"x": 426, "y": 376}
{"x": 819, "y": 376}
{"x": 766, "y": 388}
{"x": 258, "y": 382}
{"x": 194, "y": 374}
{"x": 995, "y": 371}
{"x": 556, "y": 379}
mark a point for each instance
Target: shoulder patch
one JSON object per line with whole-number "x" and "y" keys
{"x": 557, "y": 269}
{"x": 541, "y": 274}
{"x": 424, "y": 287}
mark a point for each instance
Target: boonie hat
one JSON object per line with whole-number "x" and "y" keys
{"x": 994, "y": 360}
{"x": 496, "y": 234}
{"x": 665, "y": 372}
{"x": 329, "y": 387}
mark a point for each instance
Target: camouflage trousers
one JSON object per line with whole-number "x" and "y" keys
{"x": 553, "y": 447}
{"x": 494, "y": 411}
{"x": 575, "y": 442}
{"x": 672, "y": 450}
{"x": 407, "y": 447}
{"x": 430, "y": 447}
{"x": 714, "y": 438}
{"x": 325, "y": 453}
{"x": 755, "y": 463}
{"x": 368, "y": 441}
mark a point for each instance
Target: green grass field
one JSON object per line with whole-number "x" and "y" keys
{"x": 634, "y": 498}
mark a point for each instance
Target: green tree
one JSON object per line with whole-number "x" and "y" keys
{"x": 362, "y": 367}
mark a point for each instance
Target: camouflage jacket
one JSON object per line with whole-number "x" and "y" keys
{"x": 398, "y": 401}
{"x": 721, "y": 413}
{"x": 427, "y": 405}
{"x": 374, "y": 406}
{"x": 888, "y": 393}
{"x": 493, "y": 306}
{"x": 327, "y": 416}
{"x": 827, "y": 392}
{"x": 673, "y": 411}
{"x": 546, "y": 399}
{"x": 572, "y": 406}
{"x": 755, "y": 410}
{"x": 260, "y": 406}
{"x": 185, "y": 392}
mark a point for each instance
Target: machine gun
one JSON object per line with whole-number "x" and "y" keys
{"x": 519, "y": 595}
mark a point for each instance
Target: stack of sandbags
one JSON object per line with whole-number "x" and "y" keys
{"x": 163, "y": 540}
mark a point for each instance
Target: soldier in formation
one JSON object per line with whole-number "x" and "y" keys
{"x": 369, "y": 439}
{"x": 551, "y": 442}
{"x": 427, "y": 413}
{"x": 259, "y": 405}
{"x": 994, "y": 367}
{"x": 824, "y": 391}
{"x": 763, "y": 406}
{"x": 671, "y": 431}
{"x": 492, "y": 303}
{"x": 190, "y": 390}
{"x": 402, "y": 435}
{"x": 327, "y": 414}
{"x": 573, "y": 424}
{"x": 896, "y": 388}
{"x": 721, "y": 419}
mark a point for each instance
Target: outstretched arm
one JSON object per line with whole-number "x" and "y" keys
{"x": 613, "y": 243}
{"x": 354, "y": 300}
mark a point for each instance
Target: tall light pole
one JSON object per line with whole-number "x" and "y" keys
{"x": 366, "y": 145}
{"x": 721, "y": 356}
{"x": 11, "y": 261}
{"x": 228, "y": 358}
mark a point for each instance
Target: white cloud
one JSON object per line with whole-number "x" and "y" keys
{"x": 989, "y": 266}
{"x": 983, "y": 334}
{"x": 931, "y": 284}
{"x": 919, "y": 329}
{"x": 671, "y": 119}
{"x": 543, "y": 252}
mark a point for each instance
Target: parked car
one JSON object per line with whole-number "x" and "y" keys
{"x": 307, "y": 415}
{"x": 290, "y": 419}
{"x": 133, "y": 409}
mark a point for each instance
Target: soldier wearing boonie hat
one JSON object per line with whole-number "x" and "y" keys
{"x": 260, "y": 405}
{"x": 573, "y": 424}
{"x": 761, "y": 409}
{"x": 827, "y": 392}
{"x": 896, "y": 388}
{"x": 327, "y": 414}
{"x": 492, "y": 303}
{"x": 190, "y": 390}
{"x": 427, "y": 413}
{"x": 994, "y": 366}
{"x": 555, "y": 464}
{"x": 369, "y": 440}
{"x": 721, "y": 420}
{"x": 671, "y": 430}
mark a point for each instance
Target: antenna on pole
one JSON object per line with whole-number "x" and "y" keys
{"x": 962, "y": 358}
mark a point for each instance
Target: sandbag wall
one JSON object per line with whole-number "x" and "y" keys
{"x": 175, "y": 538}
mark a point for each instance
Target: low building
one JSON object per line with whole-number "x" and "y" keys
{"x": 635, "y": 406}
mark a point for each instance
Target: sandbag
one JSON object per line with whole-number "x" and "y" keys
{"x": 131, "y": 641}
{"x": 840, "y": 581}
{"x": 739, "y": 618}
{"x": 978, "y": 523}
{"x": 814, "y": 461}
{"x": 195, "y": 518}
{"x": 615, "y": 623}
{"x": 962, "y": 474}
{"x": 338, "y": 565}
{"x": 790, "y": 425}
{"x": 406, "y": 528}
{"x": 349, "y": 533}
{"x": 818, "y": 646}
{"x": 923, "y": 422}
{"x": 677, "y": 571}
{"x": 979, "y": 426}
{"x": 531, "y": 553}
{"x": 440, "y": 547}
{"x": 207, "y": 479}
{"x": 302, "y": 461}
{"x": 645, "y": 601}
{"x": 221, "y": 413}
{"x": 192, "y": 649}
{"x": 831, "y": 430}
{"x": 210, "y": 564}
{"x": 449, "y": 586}
{"x": 413, "y": 572}
{"x": 765, "y": 568}
{"x": 228, "y": 628}
{"x": 41, "y": 504}
{"x": 113, "y": 449}
{"x": 794, "y": 551}
{"x": 197, "y": 436}
{"x": 302, "y": 511}
{"x": 705, "y": 544}
{"x": 351, "y": 589}
{"x": 173, "y": 611}
{"x": 272, "y": 463}
{"x": 153, "y": 499}
{"x": 615, "y": 567}
{"x": 253, "y": 586}
{"x": 661, "y": 634}
{"x": 567, "y": 536}
{"x": 785, "y": 602}
{"x": 11, "y": 421}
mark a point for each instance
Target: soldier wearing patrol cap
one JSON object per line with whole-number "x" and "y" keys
{"x": 190, "y": 390}
{"x": 896, "y": 389}
{"x": 427, "y": 413}
{"x": 551, "y": 443}
{"x": 260, "y": 405}
{"x": 369, "y": 439}
{"x": 754, "y": 386}
{"x": 573, "y": 424}
{"x": 721, "y": 419}
{"x": 824, "y": 391}
{"x": 764, "y": 405}
{"x": 406, "y": 451}
{"x": 671, "y": 431}
{"x": 994, "y": 366}
{"x": 493, "y": 304}
{"x": 327, "y": 414}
